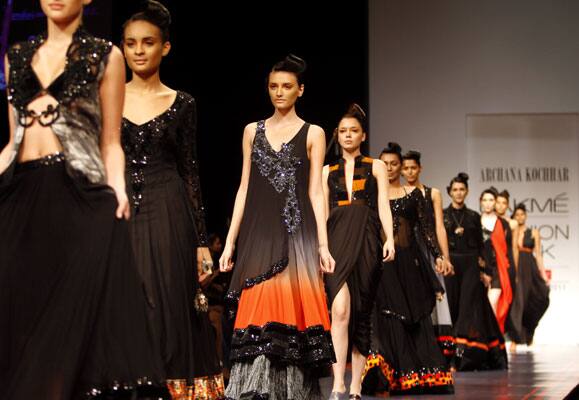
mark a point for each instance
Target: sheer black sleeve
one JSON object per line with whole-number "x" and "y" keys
{"x": 426, "y": 225}
{"x": 188, "y": 165}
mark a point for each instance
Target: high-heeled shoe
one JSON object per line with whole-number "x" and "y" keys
{"x": 337, "y": 396}
{"x": 355, "y": 397}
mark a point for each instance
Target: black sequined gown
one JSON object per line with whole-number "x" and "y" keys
{"x": 73, "y": 319}
{"x": 406, "y": 357}
{"x": 166, "y": 227}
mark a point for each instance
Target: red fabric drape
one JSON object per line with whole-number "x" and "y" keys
{"x": 498, "y": 239}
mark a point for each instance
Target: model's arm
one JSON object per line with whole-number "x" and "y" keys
{"x": 384, "y": 211}
{"x": 441, "y": 231}
{"x": 326, "y": 189}
{"x": 317, "y": 150}
{"x": 539, "y": 255}
{"x": 112, "y": 95}
{"x": 5, "y": 153}
{"x": 226, "y": 260}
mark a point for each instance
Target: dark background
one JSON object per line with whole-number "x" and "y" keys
{"x": 222, "y": 53}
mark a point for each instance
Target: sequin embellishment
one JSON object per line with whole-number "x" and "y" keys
{"x": 280, "y": 170}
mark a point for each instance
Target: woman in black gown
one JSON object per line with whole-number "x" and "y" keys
{"x": 532, "y": 295}
{"x": 411, "y": 170}
{"x": 407, "y": 355}
{"x": 356, "y": 190}
{"x": 281, "y": 338}
{"x": 72, "y": 312}
{"x": 480, "y": 343}
{"x": 168, "y": 228}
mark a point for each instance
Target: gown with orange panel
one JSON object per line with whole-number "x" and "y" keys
{"x": 281, "y": 335}
{"x": 356, "y": 244}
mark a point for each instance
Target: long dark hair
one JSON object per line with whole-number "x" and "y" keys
{"x": 154, "y": 13}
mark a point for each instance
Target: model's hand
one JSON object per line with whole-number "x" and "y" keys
{"x": 439, "y": 267}
{"x": 388, "y": 250}
{"x": 226, "y": 260}
{"x": 327, "y": 262}
{"x": 486, "y": 279}
{"x": 448, "y": 268}
{"x": 123, "y": 207}
{"x": 545, "y": 277}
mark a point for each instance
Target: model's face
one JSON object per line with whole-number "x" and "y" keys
{"x": 520, "y": 217}
{"x": 63, "y": 11}
{"x": 350, "y": 134}
{"x": 458, "y": 192}
{"x": 501, "y": 205}
{"x": 393, "y": 166}
{"x": 284, "y": 89}
{"x": 411, "y": 171}
{"x": 487, "y": 203}
{"x": 144, "y": 47}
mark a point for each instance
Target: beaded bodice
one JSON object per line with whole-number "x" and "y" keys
{"x": 76, "y": 117}
{"x": 279, "y": 168}
{"x": 168, "y": 140}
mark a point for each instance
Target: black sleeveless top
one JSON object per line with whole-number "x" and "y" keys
{"x": 364, "y": 185}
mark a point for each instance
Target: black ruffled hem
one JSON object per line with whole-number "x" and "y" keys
{"x": 143, "y": 388}
{"x": 233, "y": 296}
{"x": 284, "y": 343}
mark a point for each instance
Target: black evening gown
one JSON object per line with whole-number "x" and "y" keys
{"x": 406, "y": 357}
{"x": 73, "y": 321}
{"x": 356, "y": 245}
{"x": 166, "y": 228}
{"x": 480, "y": 343}
{"x": 531, "y": 296}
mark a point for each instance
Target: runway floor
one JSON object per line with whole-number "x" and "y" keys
{"x": 545, "y": 372}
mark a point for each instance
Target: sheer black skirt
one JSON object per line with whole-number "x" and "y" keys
{"x": 72, "y": 308}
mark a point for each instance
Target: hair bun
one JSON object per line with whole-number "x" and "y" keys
{"x": 463, "y": 176}
{"x": 356, "y": 110}
{"x": 158, "y": 12}
{"x": 394, "y": 147}
{"x": 298, "y": 62}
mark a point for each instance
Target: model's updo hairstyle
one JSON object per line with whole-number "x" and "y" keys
{"x": 462, "y": 177}
{"x": 293, "y": 64}
{"x": 505, "y": 193}
{"x": 356, "y": 112}
{"x": 393, "y": 148}
{"x": 154, "y": 13}
{"x": 492, "y": 191}
{"x": 520, "y": 206}
{"x": 413, "y": 155}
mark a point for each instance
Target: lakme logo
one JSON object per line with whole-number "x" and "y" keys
{"x": 552, "y": 234}
{"x": 524, "y": 174}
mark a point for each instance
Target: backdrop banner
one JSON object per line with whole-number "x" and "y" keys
{"x": 536, "y": 158}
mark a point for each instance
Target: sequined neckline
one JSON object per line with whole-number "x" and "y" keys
{"x": 41, "y": 39}
{"x": 408, "y": 194}
{"x": 144, "y": 124}
{"x": 284, "y": 144}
